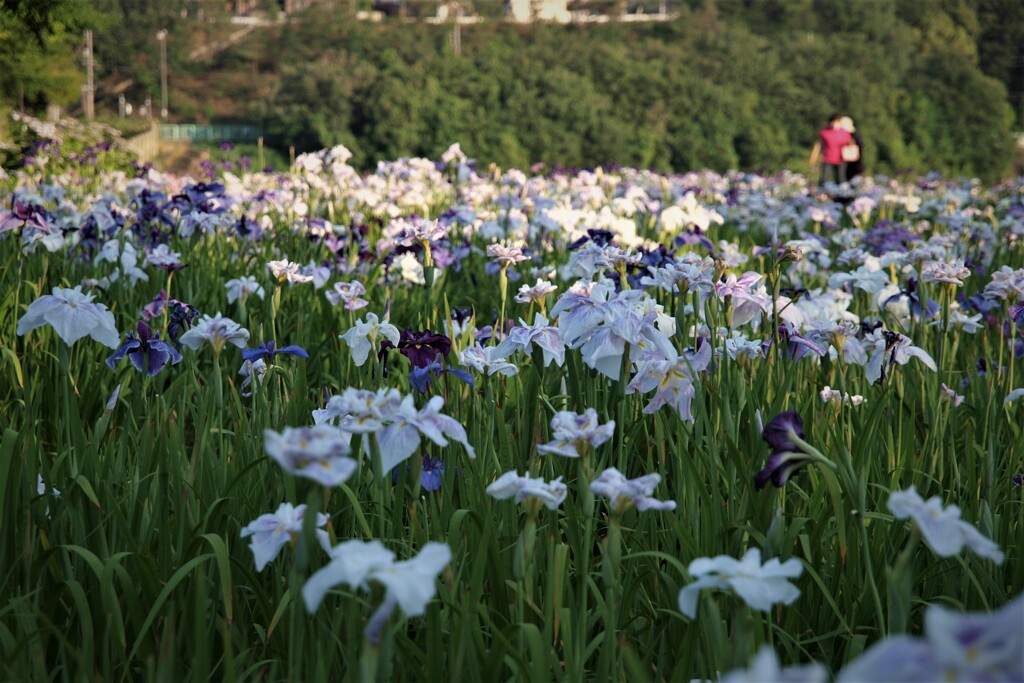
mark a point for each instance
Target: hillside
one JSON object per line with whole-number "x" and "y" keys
{"x": 725, "y": 84}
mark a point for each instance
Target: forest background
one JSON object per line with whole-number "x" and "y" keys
{"x": 727, "y": 84}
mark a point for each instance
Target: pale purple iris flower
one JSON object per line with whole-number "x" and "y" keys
{"x": 217, "y": 331}
{"x": 671, "y": 380}
{"x": 271, "y": 532}
{"x": 73, "y": 315}
{"x": 889, "y": 348}
{"x": 765, "y": 668}
{"x": 749, "y": 296}
{"x": 319, "y": 453}
{"x": 760, "y": 586}
{"x": 943, "y": 530}
{"x": 349, "y": 293}
{"x": 395, "y": 420}
{"x": 524, "y": 337}
{"x": 410, "y": 584}
{"x": 623, "y": 493}
{"x": 601, "y": 322}
{"x": 524, "y": 487}
{"x": 971, "y": 647}
{"x": 572, "y": 432}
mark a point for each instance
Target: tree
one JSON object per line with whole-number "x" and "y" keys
{"x": 39, "y": 42}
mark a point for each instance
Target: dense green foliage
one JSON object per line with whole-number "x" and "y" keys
{"x": 740, "y": 86}
{"x": 38, "y": 40}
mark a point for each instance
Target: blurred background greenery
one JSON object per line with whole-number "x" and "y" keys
{"x": 724, "y": 84}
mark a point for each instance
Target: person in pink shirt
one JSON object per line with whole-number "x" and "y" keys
{"x": 830, "y": 143}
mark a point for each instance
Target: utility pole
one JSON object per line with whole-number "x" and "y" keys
{"x": 457, "y": 30}
{"x": 162, "y": 37}
{"x": 89, "y": 89}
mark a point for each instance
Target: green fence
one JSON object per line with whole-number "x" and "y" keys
{"x": 190, "y": 132}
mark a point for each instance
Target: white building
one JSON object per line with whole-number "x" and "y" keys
{"x": 525, "y": 11}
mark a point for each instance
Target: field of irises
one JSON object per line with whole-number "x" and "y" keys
{"x": 440, "y": 422}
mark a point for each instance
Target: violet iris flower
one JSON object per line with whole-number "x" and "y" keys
{"x": 156, "y": 306}
{"x": 268, "y": 350}
{"x": 151, "y": 216}
{"x": 23, "y": 213}
{"x": 422, "y": 377}
{"x": 982, "y": 304}
{"x": 886, "y": 236}
{"x": 1017, "y": 314}
{"x": 147, "y": 352}
{"x": 431, "y": 476}
{"x": 200, "y": 194}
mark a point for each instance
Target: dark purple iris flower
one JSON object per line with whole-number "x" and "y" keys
{"x": 786, "y": 457}
{"x": 182, "y": 315}
{"x": 151, "y": 205}
{"x": 247, "y": 228}
{"x": 431, "y": 477}
{"x": 984, "y": 366}
{"x": 656, "y": 257}
{"x": 1018, "y": 479}
{"x": 268, "y": 350}
{"x": 776, "y": 432}
{"x": 91, "y": 235}
{"x": 147, "y": 352}
{"x": 201, "y": 196}
{"x": 867, "y": 327}
{"x": 141, "y": 170}
{"x": 207, "y": 167}
{"x": 318, "y": 228}
{"x": 422, "y": 347}
{"x": 461, "y": 314}
{"x": 598, "y": 236}
{"x": 152, "y": 217}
